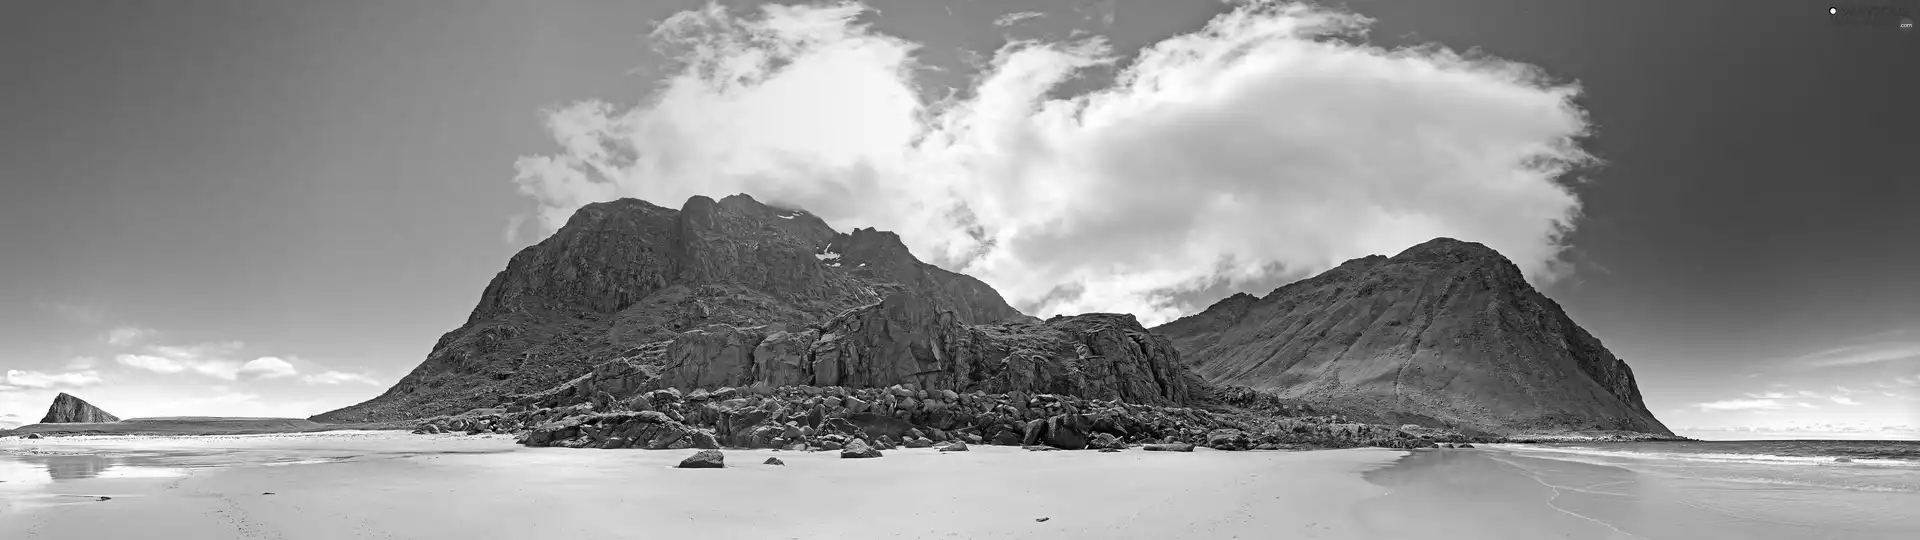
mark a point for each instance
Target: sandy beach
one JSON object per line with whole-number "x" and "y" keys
{"x": 395, "y": 485}
{"x": 388, "y": 485}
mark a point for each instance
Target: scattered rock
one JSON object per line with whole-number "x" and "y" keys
{"x": 31, "y": 436}
{"x": 918, "y": 443}
{"x": 1168, "y": 447}
{"x": 1042, "y": 519}
{"x": 773, "y": 461}
{"x": 1109, "y": 450}
{"x": 106, "y": 498}
{"x": 1843, "y": 460}
{"x": 1463, "y": 445}
{"x": 705, "y": 459}
{"x": 955, "y": 446}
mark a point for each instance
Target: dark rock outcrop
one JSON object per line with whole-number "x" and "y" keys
{"x": 67, "y": 409}
{"x": 1447, "y": 333}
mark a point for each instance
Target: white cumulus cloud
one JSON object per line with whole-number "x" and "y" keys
{"x": 127, "y": 335}
{"x": 1266, "y": 145}
{"x": 212, "y": 359}
{"x": 1740, "y": 405}
{"x": 338, "y": 377}
{"x": 268, "y": 367}
{"x": 19, "y": 379}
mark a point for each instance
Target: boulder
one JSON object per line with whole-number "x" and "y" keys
{"x": 1068, "y": 431}
{"x": 773, "y": 461}
{"x": 704, "y": 459}
{"x": 1168, "y": 447}
{"x": 1228, "y": 439}
{"x": 858, "y": 449}
{"x": 955, "y": 446}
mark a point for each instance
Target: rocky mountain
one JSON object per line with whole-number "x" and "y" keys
{"x": 67, "y": 409}
{"x": 626, "y": 281}
{"x": 1447, "y": 333}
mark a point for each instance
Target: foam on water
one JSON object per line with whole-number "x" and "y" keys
{"x": 1874, "y": 466}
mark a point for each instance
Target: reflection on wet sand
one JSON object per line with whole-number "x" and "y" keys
{"x": 72, "y": 467}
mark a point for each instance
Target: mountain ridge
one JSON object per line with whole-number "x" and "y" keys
{"x": 629, "y": 297}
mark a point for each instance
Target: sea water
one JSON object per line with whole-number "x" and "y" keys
{"x": 1731, "y": 489}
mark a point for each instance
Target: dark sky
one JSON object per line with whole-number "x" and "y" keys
{"x": 328, "y": 183}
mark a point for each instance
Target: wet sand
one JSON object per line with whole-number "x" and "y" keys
{"x": 409, "y": 486}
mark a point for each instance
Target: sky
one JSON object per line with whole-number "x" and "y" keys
{"x": 275, "y": 208}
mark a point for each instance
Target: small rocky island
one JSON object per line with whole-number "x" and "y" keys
{"x": 67, "y": 409}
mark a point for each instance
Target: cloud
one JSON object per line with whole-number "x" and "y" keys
{"x": 268, "y": 367}
{"x": 1266, "y": 146}
{"x": 512, "y": 233}
{"x": 1807, "y": 405}
{"x": 1854, "y": 355}
{"x": 127, "y": 335}
{"x": 338, "y": 377}
{"x": 1011, "y": 19}
{"x": 17, "y": 379}
{"x": 1809, "y": 393}
{"x": 1770, "y": 395}
{"x": 1843, "y": 400}
{"x": 76, "y": 312}
{"x": 1740, "y": 405}
{"x": 1098, "y": 10}
{"x": 151, "y": 363}
{"x": 1842, "y": 389}
{"x": 81, "y": 362}
{"x": 211, "y": 359}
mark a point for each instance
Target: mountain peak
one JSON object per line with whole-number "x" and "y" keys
{"x": 1444, "y": 246}
{"x": 626, "y": 273}
{"x": 1403, "y": 339}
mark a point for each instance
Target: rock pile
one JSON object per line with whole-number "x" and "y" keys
{"x": 834, "y": 418}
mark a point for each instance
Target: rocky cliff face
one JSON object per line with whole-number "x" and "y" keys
{"x": 624, "y": 277}
{"x": 67, "y": 409}
{"x": 905, "y": 339}
{"x": 1445, "y": 333}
